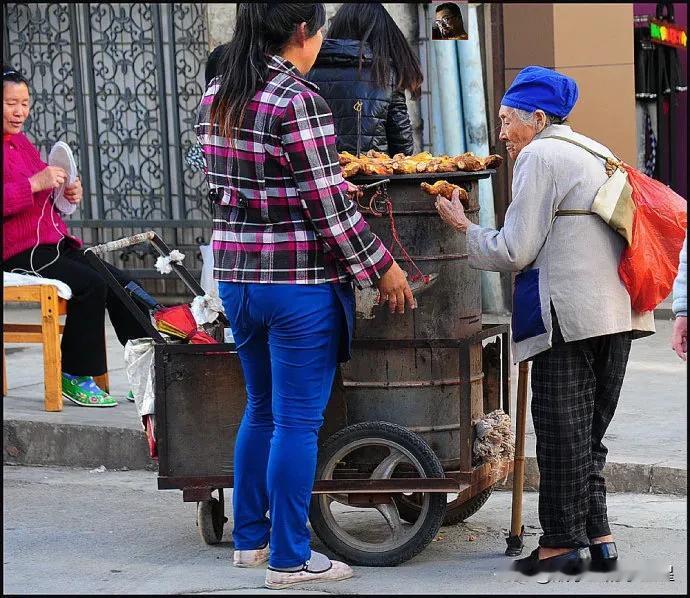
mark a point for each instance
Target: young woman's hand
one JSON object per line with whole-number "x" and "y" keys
{"x": 74, "y": 192}
{"x": 51, "y": 177}
{"x": 354, "y": 191}
{"x": 394, "y": 288}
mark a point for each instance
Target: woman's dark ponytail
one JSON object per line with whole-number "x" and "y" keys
{"x": 261, "y": 29}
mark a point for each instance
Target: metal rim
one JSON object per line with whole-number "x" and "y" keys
{"x": 400, "y": 532}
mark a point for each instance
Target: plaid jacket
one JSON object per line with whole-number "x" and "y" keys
{"x": 281, "y": 211}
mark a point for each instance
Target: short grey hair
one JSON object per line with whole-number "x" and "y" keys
{"x": 529, "y": 118}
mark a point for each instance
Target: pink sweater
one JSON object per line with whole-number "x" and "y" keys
{"x": 21, "y": 209}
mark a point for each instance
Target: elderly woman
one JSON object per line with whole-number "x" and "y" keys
{"x": 571, "y": 314}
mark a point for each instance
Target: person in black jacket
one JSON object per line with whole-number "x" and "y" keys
{"x": 366, "y": 57}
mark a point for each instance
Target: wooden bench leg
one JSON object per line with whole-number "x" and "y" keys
{"x": 52, "y": 358}
{"x": 102, "y": 381}
{"x": 4, "y": 373}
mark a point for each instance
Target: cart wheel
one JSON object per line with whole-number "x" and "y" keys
{"x": 408, "y": 507}
{"x": 210, "y": 518}
{"x": 374, "y": 535}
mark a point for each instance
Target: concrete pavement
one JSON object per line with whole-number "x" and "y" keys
{"x": 647, "y": 439}
{"x": 70, "y": 531}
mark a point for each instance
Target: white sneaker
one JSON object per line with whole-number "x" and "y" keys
{"x": 335, "y": 571}
{"x": 250, "y": 558}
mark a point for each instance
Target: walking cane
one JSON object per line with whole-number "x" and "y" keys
{"x": 517, "y": 530}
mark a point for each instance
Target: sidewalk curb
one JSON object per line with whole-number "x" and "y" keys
{"x": 28, "y": 442}
{"x": 640, "y": 478}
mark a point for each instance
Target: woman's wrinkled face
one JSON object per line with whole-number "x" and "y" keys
{"x": 15, "y": 107}
{"x": 515, "y": 133}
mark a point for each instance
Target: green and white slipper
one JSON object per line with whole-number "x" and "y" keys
{"x": 83, "y": 391}
{"x": 130, "y": 396}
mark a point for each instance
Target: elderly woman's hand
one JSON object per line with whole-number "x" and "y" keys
{"x": 74, "y": 192}
{"x": 679, "y": 338}
{"x": 452, "y": 212}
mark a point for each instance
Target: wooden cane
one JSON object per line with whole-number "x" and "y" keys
{"x": 515, "y": 540}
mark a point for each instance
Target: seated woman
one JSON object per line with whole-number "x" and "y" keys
{"x": 35, "y": 241}
{"x": 366, "y": 57}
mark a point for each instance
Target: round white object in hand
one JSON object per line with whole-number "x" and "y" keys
{"x": 62, "y": 157}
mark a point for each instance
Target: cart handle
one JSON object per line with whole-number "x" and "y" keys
{"x": 160, "y": 247}
{"x": 104, "y": 248}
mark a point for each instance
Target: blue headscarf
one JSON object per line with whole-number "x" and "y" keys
{"x": 539, "y": 88}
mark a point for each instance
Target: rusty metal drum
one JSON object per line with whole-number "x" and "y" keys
{"x": 392, "y": 375}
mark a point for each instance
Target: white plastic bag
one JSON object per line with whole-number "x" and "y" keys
{"x": 210, "y": 286}
{"x": 208, "y": 283}
{"x": 140, "y": 373}
{"x": 206, "y": 309}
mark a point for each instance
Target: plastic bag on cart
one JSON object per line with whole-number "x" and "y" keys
{"x": 140, "y": 373}
{"x": 206, "y": 309}
{"x": 207, "y": 282}
{"x": 211, "y": 301}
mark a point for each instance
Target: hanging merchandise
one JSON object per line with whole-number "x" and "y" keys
{"x": 644, "y": 61}
{"x": 658, "y": 78}
{"x": 650, "y": 144}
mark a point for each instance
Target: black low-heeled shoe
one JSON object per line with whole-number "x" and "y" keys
{"x": 604, "y": 556}
{"x": 573, "y": 562}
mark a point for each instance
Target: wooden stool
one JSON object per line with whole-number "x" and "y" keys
{"x": 47, "y": 332}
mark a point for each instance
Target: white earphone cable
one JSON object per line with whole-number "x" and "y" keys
{"x": 35, "y": 271}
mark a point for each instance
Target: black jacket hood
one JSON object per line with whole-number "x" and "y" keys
{"x": 343, "y": 52}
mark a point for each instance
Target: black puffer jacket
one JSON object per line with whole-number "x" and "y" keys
{"x": 385, "y": 121}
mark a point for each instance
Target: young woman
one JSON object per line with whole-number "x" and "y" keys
{"x": 287, "y": 243}
{"x": 35, "y": 241}
{"x": 366, "y": 57}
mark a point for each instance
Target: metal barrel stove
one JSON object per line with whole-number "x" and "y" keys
{"x": 398, "y": 371}
{"x": 398, "y": 430}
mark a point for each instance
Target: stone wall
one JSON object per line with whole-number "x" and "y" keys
{"x": 221, "y": 23}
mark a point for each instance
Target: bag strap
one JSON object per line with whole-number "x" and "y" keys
{"x": 612, "y": 163}
{"x": 573, "y": 213}
{"x": 609, "y": 161}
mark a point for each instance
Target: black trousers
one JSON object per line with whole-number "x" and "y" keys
{"x": 83, "y": 341}
{"x": 575, "y": 390}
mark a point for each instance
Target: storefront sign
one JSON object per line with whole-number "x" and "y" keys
{"x": 668, "y": 34}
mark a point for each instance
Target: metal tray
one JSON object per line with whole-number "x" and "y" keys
{"x": 424, "y": 176}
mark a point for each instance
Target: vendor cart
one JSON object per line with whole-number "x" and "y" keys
{"x": 395, "y": 452}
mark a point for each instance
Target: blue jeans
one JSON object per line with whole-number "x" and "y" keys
{"x": 287, "y": 338}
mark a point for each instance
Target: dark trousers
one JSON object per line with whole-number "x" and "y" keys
{"x": 83, "y": 341}
{"x": 575, "y": 390}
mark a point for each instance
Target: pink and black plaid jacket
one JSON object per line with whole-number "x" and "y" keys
{"x": 281, "y": 212}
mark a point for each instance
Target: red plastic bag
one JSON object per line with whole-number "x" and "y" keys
{"x": 649, "y": 266}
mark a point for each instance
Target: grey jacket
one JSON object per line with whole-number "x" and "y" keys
{"x": 577, "y": 256}
{"x": 680, "y": 285}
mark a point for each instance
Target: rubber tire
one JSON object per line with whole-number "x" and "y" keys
{"x": 437, "y": 508}
{"x": 454, "y": 514}
{"x": 210, "y": 520}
